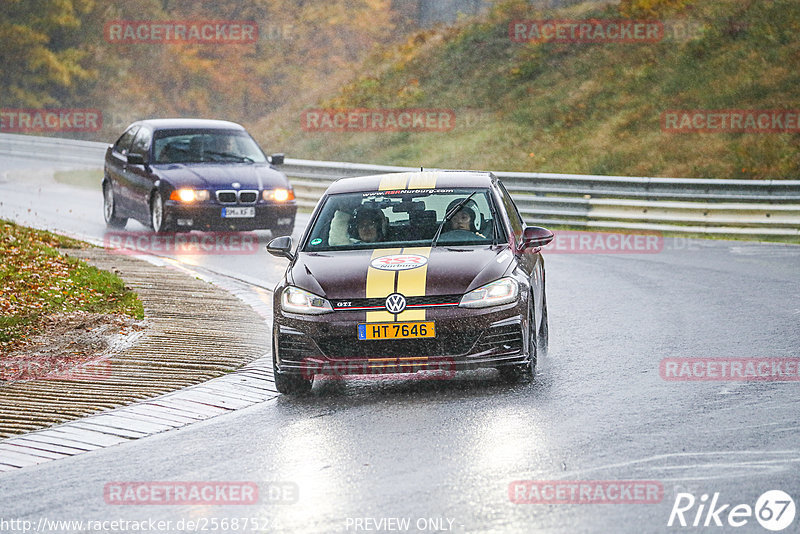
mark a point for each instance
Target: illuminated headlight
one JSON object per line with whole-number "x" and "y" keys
{"x": 495, "y": 293}
{"x": 188, "y": 195}
{"x": 278, "y": 195}
{"x": 296, "y": 300}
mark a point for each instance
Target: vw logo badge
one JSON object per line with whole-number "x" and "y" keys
{"x": 395, "y": 303}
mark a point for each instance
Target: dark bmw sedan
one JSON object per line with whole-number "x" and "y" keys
{"x": 409, "y": 273}
{"x": 194, "y": 174}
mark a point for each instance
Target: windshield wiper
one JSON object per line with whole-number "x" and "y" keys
{"x": 448, "y": 215}
{"x": 229, "y": 155}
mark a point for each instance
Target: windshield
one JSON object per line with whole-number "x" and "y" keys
{"x": 403, "y": 218}
{"x": 206, "y": 146}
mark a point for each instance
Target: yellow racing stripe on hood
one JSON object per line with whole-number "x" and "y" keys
{"x": 380, "y": 284}
{"x": 412, "y": 282}
{"x": 409, "y": 283}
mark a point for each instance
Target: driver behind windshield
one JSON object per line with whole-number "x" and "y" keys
{"x": 368, "y": 225}
{"x": 222, "y": 145}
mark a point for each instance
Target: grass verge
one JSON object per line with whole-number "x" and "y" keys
{"x": 586, "y": 108}
{"x": 36, "y": 281}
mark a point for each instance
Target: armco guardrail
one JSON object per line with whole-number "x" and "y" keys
{"x": 750, "y": 208}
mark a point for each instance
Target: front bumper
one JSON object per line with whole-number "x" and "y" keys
{"x": 207, "y": 216}
{"x": 465, "y": 339}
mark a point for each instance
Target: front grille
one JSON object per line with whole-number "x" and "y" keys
{"x": 505, "y": 337}
{"x": 411, "y": 302}
{"x": 294, "y": 346}
{"x": 248, "y": 197}
{"x": 226, "y": 197}
{"x": 442, "y": 345}
{"x": 234, "y": 197}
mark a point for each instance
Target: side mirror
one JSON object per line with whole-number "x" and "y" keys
{"x": 535, "y": 236}
{"x": 136, "y": 159}
{"x": 276, "y": 159}
{"x": 281, "y": 247}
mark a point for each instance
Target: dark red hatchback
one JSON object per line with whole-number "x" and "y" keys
{"x": 410, "y": 272}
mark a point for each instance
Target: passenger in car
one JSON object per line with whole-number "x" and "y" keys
{"x": 463, "y": 219}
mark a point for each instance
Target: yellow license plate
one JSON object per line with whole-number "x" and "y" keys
{"x": 396, "y": 330}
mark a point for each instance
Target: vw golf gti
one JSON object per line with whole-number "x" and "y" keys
{"x": 410, "y": 272}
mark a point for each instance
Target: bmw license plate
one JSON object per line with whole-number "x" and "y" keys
{"x": 396, "y": 330}
{"x": 233, "y": 213}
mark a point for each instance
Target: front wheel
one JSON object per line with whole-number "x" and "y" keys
{"x": 280, "y": 231}
{"x": 110, "y": 208}
{"x": 289, "y": 384}
{"x": 157, "y": 217}
{"x": 523, "y": 372}
{"x": 544, "y": 330}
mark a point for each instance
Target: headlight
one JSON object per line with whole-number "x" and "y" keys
{"x": 296, "y": 300}
{"x": 188, "y": 195}
{"x": 495, "y": 293}
{"x": 278, "y": 195}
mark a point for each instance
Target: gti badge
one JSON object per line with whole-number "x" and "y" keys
{"x": 395, "y": 303}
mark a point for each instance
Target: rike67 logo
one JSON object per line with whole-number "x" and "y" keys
{"x": 774, "y": 510}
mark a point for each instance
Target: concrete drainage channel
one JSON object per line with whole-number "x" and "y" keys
{"x": 190, "y": 365}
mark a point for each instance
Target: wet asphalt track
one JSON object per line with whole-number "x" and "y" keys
{"x": 442, "y": 453}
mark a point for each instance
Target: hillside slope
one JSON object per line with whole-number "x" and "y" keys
{"x": 577, "y": 107}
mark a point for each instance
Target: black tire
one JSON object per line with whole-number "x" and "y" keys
{"x": 280, "y": 231}
{"x": 544, "y": 330}
{"x": 157, "y": 216}
{"x": 523, "y": 372}
{"x": 289, "y": 384}
{"x": 110, "y": 208}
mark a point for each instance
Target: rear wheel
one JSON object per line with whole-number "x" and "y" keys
{"x": 525, "y": 371}
{"x": 110, "y": 208}
{"x": 289, "y": 384}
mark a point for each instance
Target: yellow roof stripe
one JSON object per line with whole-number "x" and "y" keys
{"x": 393, "y": 181}
{"x": 422, "y": 180}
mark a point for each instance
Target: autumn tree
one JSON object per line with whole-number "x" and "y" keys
{"x": 43, "y": 63}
